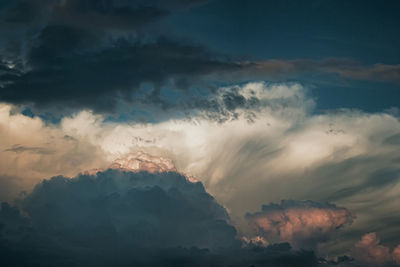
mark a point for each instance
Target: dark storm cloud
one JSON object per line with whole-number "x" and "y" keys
{"x": 94, "y": 54}
{"x": 64, "y": 74}
{"x": 128, "y": 219}
{"x": 160, "y": 205}
{"x": 93, "y": 13}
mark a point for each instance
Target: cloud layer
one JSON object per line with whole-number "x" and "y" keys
{"x": 51, "y": 56}
{"x": 269, "y": 147}
{"x": 62, "y": 56}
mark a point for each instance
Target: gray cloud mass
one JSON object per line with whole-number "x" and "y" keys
{"x": 122, "y": 218}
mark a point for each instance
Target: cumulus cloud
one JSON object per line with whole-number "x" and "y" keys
{"x": 123, "y": 218}
{"x": 301, "y": 223}
{"x": 166, "y": 209}
{"x": 370, "y": 252}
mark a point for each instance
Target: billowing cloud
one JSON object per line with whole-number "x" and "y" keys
{"x": 301, "y": 223}
{"x": 123, "y": 218}
{"x": 167, "y": 209}
{"x": 370, "y": 252}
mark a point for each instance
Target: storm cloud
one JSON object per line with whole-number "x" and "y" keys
{"x": 92, "y": 54}
{"x": 150, "y": 133}
{"x": 69, "y": 55}
{"x": 128, "y": 218}
{"x": 97, "y": 78}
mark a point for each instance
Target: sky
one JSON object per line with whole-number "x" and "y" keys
{"x": 199, "y": 133}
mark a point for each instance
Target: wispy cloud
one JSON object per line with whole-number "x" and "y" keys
{"x": 346, "y": 68}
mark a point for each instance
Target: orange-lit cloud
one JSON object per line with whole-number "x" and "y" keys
{"x": 144, "y": 162}
{"x": 141, "y": 161}
{"x": 370, "y": 252}
{"x": 396, "y": 254}
{"x": 301, "y": 223}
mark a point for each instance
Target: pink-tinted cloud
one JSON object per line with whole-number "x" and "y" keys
{"x": 141, "y": 161}
{"x": 301, "y": 223}
{"x": 370, "y": 252}
{"x": 396, "y": 254}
